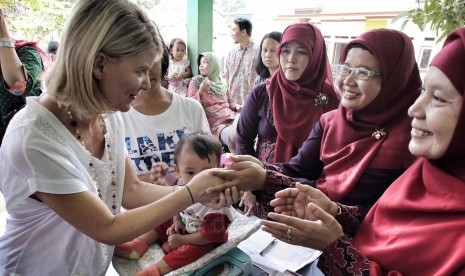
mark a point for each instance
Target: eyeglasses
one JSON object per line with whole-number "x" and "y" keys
{"x": 359, "y": 73}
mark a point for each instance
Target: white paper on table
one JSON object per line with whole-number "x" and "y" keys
{"x": 257, "y": 242}
{"x": 281, "y": 256}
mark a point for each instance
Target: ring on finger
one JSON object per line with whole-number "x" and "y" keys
{"x": 289, "y": 233}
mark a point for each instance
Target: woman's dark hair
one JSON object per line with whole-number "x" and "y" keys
{"x": 260, "y": 67}
{"x": 165, "y": 60}
{"x": 202, "y": 143}
{"x": 358, "y": 45}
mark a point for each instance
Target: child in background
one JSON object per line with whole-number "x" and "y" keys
{"x": 52, "y": 49}
{"x": 179, "y": 70}
{"x": 211, "y": 92}
{"x": 198, "y": 229}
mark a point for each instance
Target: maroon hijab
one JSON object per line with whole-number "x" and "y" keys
{"x": 376, "y": 136}
{"x": 293, "y": 102}
{"x": 417, "y": 226}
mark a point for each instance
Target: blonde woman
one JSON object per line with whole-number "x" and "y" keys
{"x": 64, "y": 172}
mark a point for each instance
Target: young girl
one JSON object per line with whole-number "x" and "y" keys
{"x": 179, "y": 70}
{"x": 198, "y": 229}
{"x": 210, "y": 91}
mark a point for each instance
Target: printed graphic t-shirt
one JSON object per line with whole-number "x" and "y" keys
{"x": 151, "y": 139}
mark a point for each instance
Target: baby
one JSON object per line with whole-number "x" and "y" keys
{"x": 196, "y": 230}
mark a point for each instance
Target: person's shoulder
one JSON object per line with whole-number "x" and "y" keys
{"x": 38, "y": 122}
{"x": 327, "y": 117}
{"x": 186, "y": 101}
{"x": 261, "y": 86}
{"x": 116, "y": 118}
{"x": 28, "y": 115}
{"x": 28, "y": 48}
{"x": 35, "y": 110}
{"x": 258, "y": 90}
{"x": 236, "y": 48}
{"x": 29, "y": 53}
{"x": 255, "y": 46}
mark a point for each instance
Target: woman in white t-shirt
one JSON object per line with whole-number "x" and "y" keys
{"x": 157, "y": 120}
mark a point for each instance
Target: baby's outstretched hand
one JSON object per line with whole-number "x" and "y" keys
{"x": 249, "y": 201}
{"x": 158, "y": 173}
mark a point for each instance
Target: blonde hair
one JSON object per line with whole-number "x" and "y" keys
{"x": 117, "y": 28}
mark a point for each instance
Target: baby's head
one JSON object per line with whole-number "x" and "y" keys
{"x": 177, "y": 49}
{"x": 196, "y": 152}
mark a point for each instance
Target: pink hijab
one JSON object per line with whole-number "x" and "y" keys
{"x": 293, "y": 103}
{"x": 417, "y": 226}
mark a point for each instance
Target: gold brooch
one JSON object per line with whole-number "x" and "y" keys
{"x": 379, "y": 133}
{"x": 321, "y": 99}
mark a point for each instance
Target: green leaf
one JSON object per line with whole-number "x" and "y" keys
{"x": 443, "y": 16}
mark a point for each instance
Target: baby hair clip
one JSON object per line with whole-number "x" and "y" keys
{"x": 224, "y": 160}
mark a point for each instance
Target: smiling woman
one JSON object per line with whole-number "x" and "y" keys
{"x": 424, "y": 203}
{"x": 356, "y": 151}
{"x": 63, "y": 165}
{"x": 440, "y": 103}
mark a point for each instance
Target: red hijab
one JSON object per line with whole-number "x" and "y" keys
{"x": 350, "y": 141}
{"x": 417, "y": 226}
{"x": 293, "y": 102}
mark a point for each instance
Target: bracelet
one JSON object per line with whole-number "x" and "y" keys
{"x": 7, "y": 43}
{"x": 190, "y": 193}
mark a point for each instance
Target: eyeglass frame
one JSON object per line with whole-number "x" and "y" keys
{"x": 370, "y": 73}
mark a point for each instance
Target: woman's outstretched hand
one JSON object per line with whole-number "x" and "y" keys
{"x": 246, "y": 173}
{"x": 317, "y": 234}
{"x": 223, "y": 196}
{"x": 294, "y": 202}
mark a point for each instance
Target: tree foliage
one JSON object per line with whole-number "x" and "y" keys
{"x": 442, "y": 16}
{"x": 148, "y": 4}
{"x": 36, "y": 19}
{"x": 225, "y": 7}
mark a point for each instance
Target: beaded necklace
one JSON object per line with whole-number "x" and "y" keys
{"x": 95, "y": 179}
